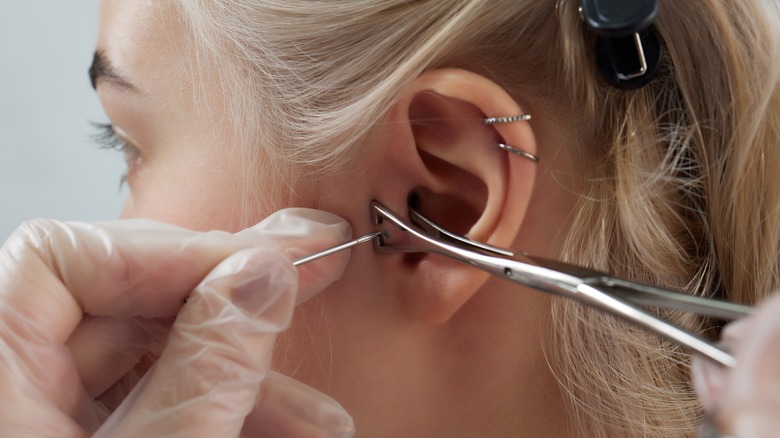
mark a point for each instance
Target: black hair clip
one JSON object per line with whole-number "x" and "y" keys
{"x": 628, "y": 48}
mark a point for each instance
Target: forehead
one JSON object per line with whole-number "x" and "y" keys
{"x": 141, "y": 39}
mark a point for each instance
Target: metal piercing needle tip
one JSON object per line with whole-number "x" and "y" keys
{"x": 362, "y": 239}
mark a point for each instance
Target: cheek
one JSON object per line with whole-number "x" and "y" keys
{"x": 199, "y": 194}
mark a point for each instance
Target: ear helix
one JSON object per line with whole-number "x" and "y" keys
{"x": 506, "y": 147}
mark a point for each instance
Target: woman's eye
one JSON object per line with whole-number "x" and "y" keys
{"x": 107, "y": 138}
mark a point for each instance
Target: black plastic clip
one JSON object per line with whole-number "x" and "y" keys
{"x": 628, "y": 49}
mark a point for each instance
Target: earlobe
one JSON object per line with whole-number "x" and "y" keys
{"x": 461, "y": 180}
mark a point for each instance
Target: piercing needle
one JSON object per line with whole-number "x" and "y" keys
{"x": 362, "y": 239}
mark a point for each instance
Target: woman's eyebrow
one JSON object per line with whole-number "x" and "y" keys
{"x": 102, "y": 70}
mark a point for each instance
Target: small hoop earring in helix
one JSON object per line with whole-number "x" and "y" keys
{"x": 517, "y": 151}
{"x": 509, "y": 119}
{"x": 506, "y": 147}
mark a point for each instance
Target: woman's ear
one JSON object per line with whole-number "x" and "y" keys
{"x": 434, "y": 153}
{"x": 469, "y": 184}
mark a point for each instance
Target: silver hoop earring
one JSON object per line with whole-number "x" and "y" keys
{"x": 517, "y": 151}
{"x": 508, "y": 119}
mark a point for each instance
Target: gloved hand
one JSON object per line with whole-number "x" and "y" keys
{"x": 85, "y": 309}
{"x": 745, "y": 400}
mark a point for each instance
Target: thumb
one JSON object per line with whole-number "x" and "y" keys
{"x": 219, "y": 351}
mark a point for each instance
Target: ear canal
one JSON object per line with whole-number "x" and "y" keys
{"x": 449, "y": 210}
{"x": 446, "y": 210}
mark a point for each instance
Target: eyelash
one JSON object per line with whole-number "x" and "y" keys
{"x": 107, "y": 138}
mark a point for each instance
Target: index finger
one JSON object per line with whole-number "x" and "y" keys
{"x": 51, "y": 273}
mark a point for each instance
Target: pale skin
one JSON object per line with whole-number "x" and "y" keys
{"x": 426, "y": 347}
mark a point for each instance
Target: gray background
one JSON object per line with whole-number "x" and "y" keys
{"x": 49, "y": 166}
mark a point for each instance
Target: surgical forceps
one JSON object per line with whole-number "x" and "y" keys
{"x": 615, "y": 296}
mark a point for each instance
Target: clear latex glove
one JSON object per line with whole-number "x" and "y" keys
{"x": 85, "y": 309}
{"x": 745, "y": 401}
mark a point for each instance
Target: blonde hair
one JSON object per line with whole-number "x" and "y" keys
{"x": 680, "y": 186}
